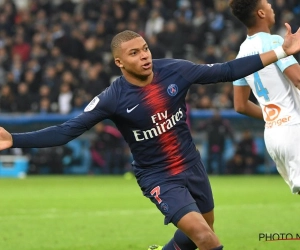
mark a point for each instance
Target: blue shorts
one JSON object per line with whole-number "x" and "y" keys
{"x": 180, "y": 194}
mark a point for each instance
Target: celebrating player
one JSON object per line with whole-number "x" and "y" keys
{"x": 274, "y": 87}
{"x": 147, "y": 104}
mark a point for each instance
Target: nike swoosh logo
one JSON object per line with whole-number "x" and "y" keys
{"x": 129, "y": 110}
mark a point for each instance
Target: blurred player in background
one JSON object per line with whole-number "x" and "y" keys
{"x": 147, "y": 104}
{"x": 275, "y": 88}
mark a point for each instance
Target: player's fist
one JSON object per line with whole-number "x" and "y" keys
{"x": 5, "y": 139}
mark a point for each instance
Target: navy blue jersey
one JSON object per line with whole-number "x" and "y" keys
{"x": 152, "y": 119}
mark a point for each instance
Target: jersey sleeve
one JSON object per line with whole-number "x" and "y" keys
{"x": 284, "y": 63}
{"x": 241, "y": 81}
{"x": 100, "y": 108}
{"x": 220, "y": 72}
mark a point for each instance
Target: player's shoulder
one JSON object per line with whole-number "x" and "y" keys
{"x": 270, "y": 38}
{"x": 107, "y": 100}
{"x": 113, "y": 91}
{"x": 117, "y": 82}
{"x": 260, "y": 42}
{"x": 117, "y": 85}
{"x": 165, "y": 62}
{"x": 275, "y": 36}
{"x": 261, "y": 37}
{"x": 169, "y": 63}
{"x": 277, "y": 40}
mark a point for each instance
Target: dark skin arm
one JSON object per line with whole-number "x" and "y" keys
{"x": 293, "y": 73}
{"x": 243, "y": 105}
{"x": 241, "y": 94}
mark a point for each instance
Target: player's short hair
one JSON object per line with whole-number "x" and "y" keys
{"x": 244, "y": 10}
{"x": 121, "y": 37}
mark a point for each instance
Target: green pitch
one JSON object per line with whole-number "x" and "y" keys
{"x": 110, "y": 213}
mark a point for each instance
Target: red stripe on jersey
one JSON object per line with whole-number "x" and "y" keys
{"x": 176, "y": 246}
{"x": 155, "y": 101}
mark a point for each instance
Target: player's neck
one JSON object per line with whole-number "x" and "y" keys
{"x": 254, "y": 30}
{"x": 138, "y": 80}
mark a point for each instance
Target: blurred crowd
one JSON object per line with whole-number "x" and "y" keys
{"x": 55, "y": 55}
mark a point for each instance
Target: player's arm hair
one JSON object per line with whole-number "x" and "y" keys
{"x": 243, "y": 105}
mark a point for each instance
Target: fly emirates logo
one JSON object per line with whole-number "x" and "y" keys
{"x": 162, "y": 124}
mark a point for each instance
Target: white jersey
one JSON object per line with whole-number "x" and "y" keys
{"x": 276, "y": 94}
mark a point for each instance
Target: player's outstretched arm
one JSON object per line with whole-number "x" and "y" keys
{"x": 5, "y": 139}
{"x": 290, "y": 46}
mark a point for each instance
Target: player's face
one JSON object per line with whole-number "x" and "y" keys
{"x": 270, "y": 15}
{"x": 135, "y": 59}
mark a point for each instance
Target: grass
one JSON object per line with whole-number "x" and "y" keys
{"x": 110, "y": 213}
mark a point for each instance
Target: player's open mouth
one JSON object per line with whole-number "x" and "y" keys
{"x": 147, "y": 65}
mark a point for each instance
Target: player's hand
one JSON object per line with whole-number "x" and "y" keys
{"x": 291, "y": 44}
{"x": 5, "y": 139}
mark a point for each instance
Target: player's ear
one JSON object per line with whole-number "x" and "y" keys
{"x": 261, "y": 13}
{"x": 118, "y": 62}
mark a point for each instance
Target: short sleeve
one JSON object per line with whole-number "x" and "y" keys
{"x": 240, "y": 82}
{"x": 284, "y": 63}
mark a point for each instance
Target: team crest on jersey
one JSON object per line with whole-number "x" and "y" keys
{"x": 172, "y": 89}
{"x": 93, "y": 103}
{"x": 165, "y": 207}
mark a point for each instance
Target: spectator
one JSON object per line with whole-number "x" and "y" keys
{"x": 4, "y": 57}
{"x": 221, "y": 101}
{"x": 218, "y": 130}
{"x": 44, "y": 106}
{"x": 16, "y": 68}
{"x": 96, "y": 82}
{"x": 156, "y": 49}
{"x": 68, "y": 77}
{"x": 172, "y": 39}
{"x": 21, "y": 47}
{"x": 7, "y": 99}
{"x": 45, "y": 92}
{"x": 210, "y": 54}
{"x": 51, "y": 79}
{"x": 184, "y": 11}
{"x": 204, "y": 102}
{"x": 246, "y": 148}
{"x": 56, "y": 56}
{"x": 25, "y": 99}
{"x": 235, "y": 165}
{"x": 217, "y": 21}
{"x": 154, "y": 24}
{"x": 53, "y": 33}
{"x": 92, "y": 52}
{"x": 108, "y": 149}
{"x": 65, "y": 99}
{"x": 51, "y": 158}
{"x": 30, "y": 79}
{"x": 199, "y": 28}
